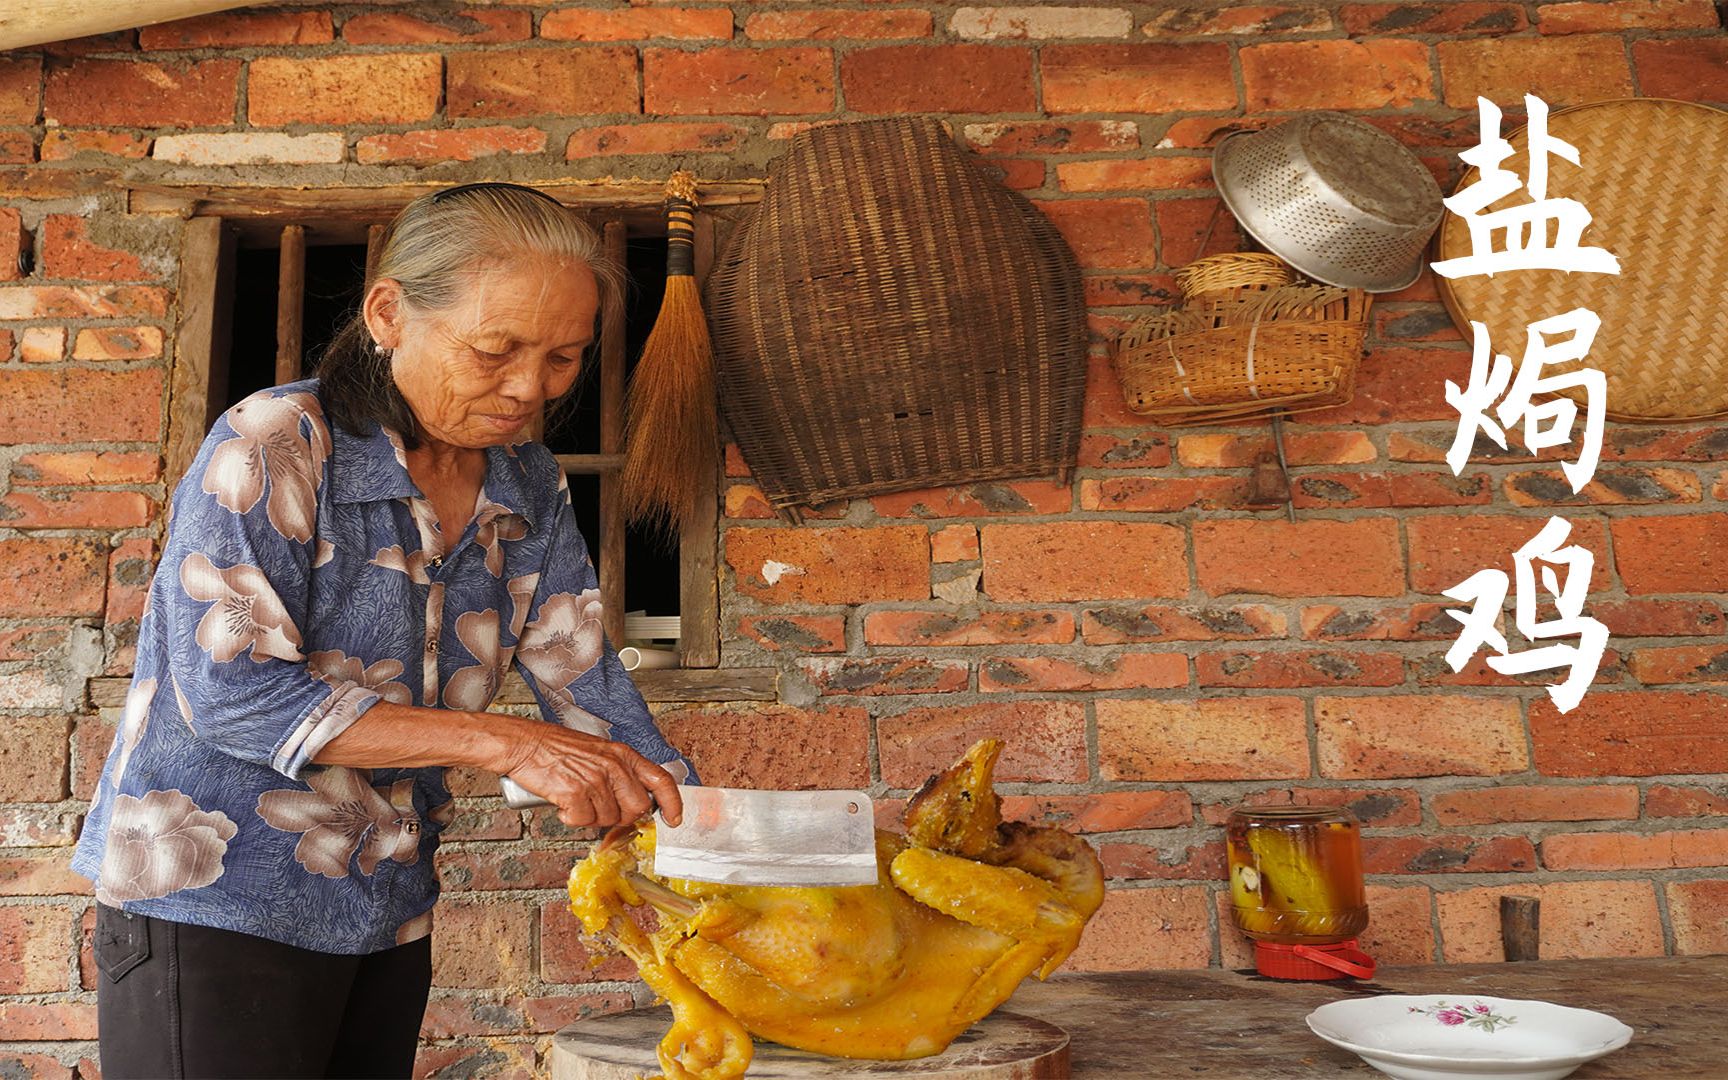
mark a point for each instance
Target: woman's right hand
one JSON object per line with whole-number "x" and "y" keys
{"x": 593, "y": 781}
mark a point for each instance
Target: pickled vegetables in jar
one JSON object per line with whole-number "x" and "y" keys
{"x": 1296, "y": 874}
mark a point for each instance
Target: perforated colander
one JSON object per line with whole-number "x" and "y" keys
{"x": 1337, "y": 198}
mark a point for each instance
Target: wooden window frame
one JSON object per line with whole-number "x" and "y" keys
{"x": 218, "y": 218}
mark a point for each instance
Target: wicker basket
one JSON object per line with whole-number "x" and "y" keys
{"x": 1251, "y": 338}
{"x": 1653, "y": 174}
{"x": 892, "y": 318}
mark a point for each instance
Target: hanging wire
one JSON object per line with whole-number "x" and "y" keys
{"x": 1283, "y": 466}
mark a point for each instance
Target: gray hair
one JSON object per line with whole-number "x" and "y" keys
{"x": 426, "y": 249}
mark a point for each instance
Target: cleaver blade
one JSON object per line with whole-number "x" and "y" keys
{"x": 739, "y": 836}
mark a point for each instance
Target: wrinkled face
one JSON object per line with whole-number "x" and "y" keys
{"x": 477, "y": 373}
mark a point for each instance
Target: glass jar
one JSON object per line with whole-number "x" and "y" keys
{"x": 1296, "y": 874}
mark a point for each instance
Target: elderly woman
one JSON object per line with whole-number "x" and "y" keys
{"x": 351, "y": 564}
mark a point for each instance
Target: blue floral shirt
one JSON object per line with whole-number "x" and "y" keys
{"x": 302, "y": 582}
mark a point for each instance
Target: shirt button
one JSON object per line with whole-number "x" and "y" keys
{"x": 437, "y": 561}
{"x": 431, "y": 646}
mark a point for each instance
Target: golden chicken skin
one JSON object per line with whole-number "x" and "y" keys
{"x": 966, "y": 906}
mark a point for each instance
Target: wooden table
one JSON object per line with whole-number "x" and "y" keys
{"x": 1218, "y": 1024}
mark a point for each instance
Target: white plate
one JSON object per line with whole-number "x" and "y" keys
{"x": 1441, "y": 1036}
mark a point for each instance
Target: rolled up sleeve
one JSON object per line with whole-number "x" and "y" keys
{"x": 233, "y": 589}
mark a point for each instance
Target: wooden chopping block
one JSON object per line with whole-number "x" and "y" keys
{"x": 1002, "y": 1046}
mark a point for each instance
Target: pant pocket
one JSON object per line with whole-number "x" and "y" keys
{"x": 122, "y": 941}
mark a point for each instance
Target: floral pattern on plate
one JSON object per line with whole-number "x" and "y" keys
{"x": 1475, "y": 1014}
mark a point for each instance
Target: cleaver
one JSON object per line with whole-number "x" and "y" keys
{"x": 740, "y": 836}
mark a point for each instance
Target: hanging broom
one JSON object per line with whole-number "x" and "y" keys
{"x": 671, "y": 428}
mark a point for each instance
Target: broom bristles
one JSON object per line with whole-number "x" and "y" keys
{"x": 671, "y": 428}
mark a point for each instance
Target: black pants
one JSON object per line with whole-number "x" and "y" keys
{"x": 176, "y": 1000}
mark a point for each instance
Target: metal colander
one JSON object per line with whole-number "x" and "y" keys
{"x": 1337, "y": 198}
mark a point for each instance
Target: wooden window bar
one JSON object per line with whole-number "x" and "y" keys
{"x": 290, "y": 304}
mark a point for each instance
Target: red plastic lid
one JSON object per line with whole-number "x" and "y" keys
{"x": 1312, "y": 962}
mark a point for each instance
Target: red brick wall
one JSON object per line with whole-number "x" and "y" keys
{"x": 1153, "y": 650}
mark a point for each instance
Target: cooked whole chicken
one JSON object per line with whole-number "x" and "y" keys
{"x": 966, "y": 907}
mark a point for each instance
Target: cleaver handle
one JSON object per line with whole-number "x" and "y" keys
{"x": 517, "y": 797}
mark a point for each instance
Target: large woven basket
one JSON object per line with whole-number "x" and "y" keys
{"x": 1653, "y": 174}
{"x": 1251, "y": 338}
{"x": 891, "y": 318}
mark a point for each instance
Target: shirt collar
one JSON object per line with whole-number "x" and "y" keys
{"x": 505, "y": 473}
{"x": 374, "y": 468}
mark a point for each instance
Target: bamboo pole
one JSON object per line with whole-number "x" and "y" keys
{"x": 35, "y": 22}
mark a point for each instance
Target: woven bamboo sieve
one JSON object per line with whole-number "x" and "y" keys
{"x": 1251, "y": 338}
{"x": 891, "y": 318}
{"x": 1653, "y": 174}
